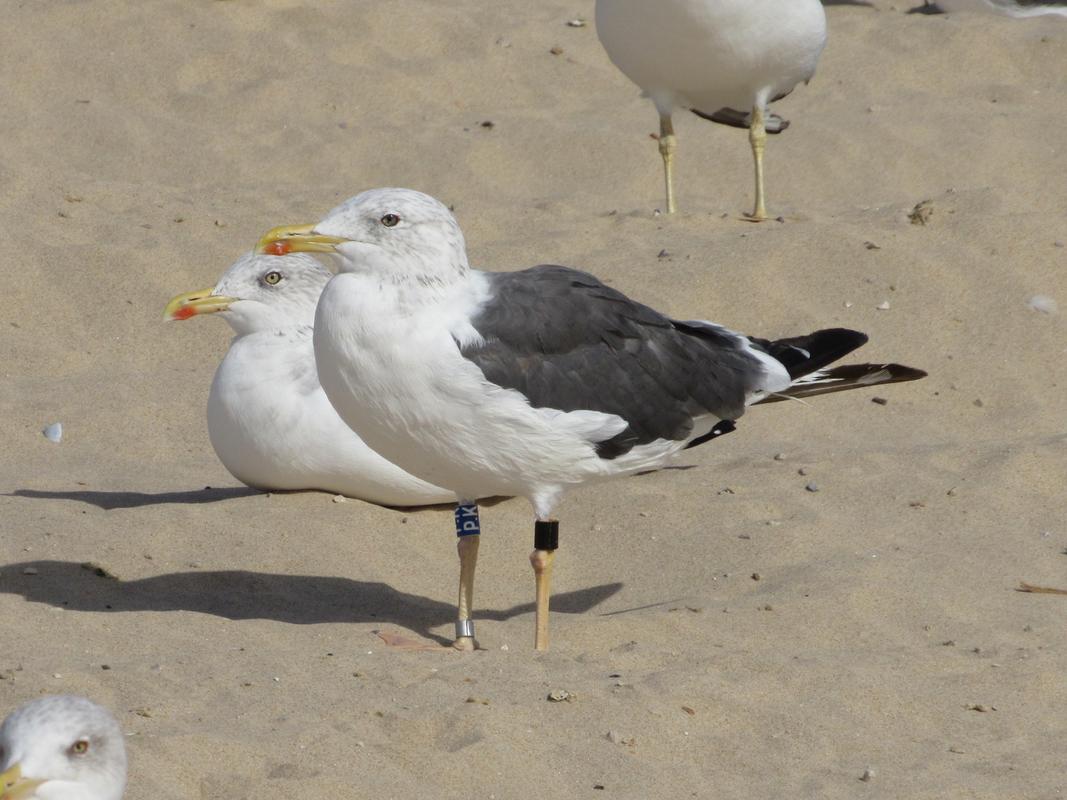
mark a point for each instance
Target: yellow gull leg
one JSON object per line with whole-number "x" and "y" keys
{"x": 757, "y": 137}
{"x": 666, "y": 149}
{"x": 546, "y": 540}
{"x": 468, "y": 531}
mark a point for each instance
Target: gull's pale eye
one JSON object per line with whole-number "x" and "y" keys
{"x": 272, "y": 278}
{"x": 390, "y": 220}
{"x": 80, "y": 747}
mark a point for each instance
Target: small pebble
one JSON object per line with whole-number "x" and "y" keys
{"x": 779, "y": 456}
{"x": 340, "y": 498}
{"x": 883, "y": 306}
{"x": 921, "y": 213}
{"x": 54, "y": 432}
{"x": 1039, "y": 302}
{"x": 105, "y": 666}
{"x": 867, "y": 774}
{"x": 576, "y": 23}
{"x": 812, "y": 487}
{"x": 556, "y": 51}
{"x": 688, "y": 710}
{"x": 756, "y": 576}
{"x": 29, "y": 571}
{"x": 880, "y": 401}
{"x": 802, "y": 471}
{"x": 561, "y": 695}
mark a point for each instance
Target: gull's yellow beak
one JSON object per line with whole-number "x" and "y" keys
{"x": 14, "y": 786}
{"x": 287, "y": 239}
{"x": 192, "y": 303}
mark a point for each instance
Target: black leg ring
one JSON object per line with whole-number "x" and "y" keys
{"x": 546, "y": 535}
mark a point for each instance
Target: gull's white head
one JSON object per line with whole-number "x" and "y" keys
{"x": 398, "y": 234}
{"x": 259, "y": 293}
{"x": 61, "y": 748}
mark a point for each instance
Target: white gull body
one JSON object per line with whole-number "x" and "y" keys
{"x": 62, "y": 747}
{"x": 390, "y": 329}
{"x": 268, "y": 418}
{"x": 706, "y": 55}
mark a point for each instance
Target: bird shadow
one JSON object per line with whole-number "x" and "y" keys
{"x": 240, "y": 595}
{"x": 124, "y": 499}
{"x": 109, "y": 501}
{"x": 926, "y": 8}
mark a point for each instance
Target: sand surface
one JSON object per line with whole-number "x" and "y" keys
{"x": 146, "y": 145}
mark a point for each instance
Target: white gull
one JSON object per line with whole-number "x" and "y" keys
{"x": 61, "y": 747}
{"x": 267, "y": 416}
{"x": 725, "y": 60}
{"x": 526, "y": 383}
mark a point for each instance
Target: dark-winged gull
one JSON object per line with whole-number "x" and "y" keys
{"x": 714, "y": 57}
{"x": 526, "y": 383}
{"x": 267, "y": 416}
{"x": 61, "y": 747}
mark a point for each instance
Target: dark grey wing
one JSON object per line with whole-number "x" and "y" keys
{"x": 568, "y": 342}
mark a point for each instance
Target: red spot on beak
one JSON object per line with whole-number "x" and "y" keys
{"x": 185, "y": 312}
{"x": 279, "y": 248}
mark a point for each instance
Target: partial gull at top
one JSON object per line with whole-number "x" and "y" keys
{"x": 268, "y": 419}
{"x": 61, "y": 747}
{"x": 725, "y": 60}
{"x": 1008, "y": 8}
{"x": 526, "y": 383}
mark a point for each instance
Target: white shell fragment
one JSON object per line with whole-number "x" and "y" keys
{"x": 54, "y": 432}
{"x": 1042, "y": 303}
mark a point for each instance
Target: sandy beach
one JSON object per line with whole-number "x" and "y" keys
{"x": 725, "y": 631}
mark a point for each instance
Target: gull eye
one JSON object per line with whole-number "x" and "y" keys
{"x": 390, "y": 220}
{"x": 272, "y": 278}
{"x": 80, "y": 747}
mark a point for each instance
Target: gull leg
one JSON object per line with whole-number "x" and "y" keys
{"x": 468, "y": 531}
{"x": 546, "y": 541}
{"x": 666, "y": 149}
{"x": 757, "y": 137}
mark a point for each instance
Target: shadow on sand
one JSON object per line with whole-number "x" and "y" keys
{"x": 112, "y": 500}
{"x": 237, "y": 595}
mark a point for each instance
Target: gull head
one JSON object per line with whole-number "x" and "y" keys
{"x": 398, "y": 235}
{"x": 259, "y": 293}
{"x": 61, "y": 748}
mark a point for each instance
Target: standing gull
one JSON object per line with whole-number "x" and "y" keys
{"x": 61, "y": 747}
{"x": 713, "y": 57}
{"x": 267, "y": 416}
{"x": 526, "y": 383}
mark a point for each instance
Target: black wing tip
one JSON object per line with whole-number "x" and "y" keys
{"x": 900, "y": 372}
